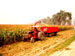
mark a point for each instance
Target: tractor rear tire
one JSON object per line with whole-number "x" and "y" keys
{"x": 41, "y": 35}
{"x": 32, "y": 39}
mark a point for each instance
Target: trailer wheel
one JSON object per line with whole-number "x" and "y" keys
{"x": 55, "y": 33}
{"x": 32, "y": 39}
{"x": 49, "y": 35}
{"x": 41, "y": 35}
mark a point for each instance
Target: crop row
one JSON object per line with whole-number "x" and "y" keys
{"x": 7, "y": 37}
{"x": 64, "y": 28}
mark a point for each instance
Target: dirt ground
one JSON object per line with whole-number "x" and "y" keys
{"x": 37, "y": 48}
{"x": 68, "y": 51}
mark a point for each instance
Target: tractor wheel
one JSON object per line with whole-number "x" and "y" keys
{"x": 32, "y": 39}
{"x": 23, "y": 39}
{"x": 41, "y": 35}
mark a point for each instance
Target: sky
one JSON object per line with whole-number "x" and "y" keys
{"x": 29, "y": 11}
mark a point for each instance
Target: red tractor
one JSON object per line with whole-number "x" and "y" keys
{"x": 40, "y": 34}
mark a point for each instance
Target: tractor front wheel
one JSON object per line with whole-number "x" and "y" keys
{"x": 32, "y": 39}
{"x": 23, "y": 39}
